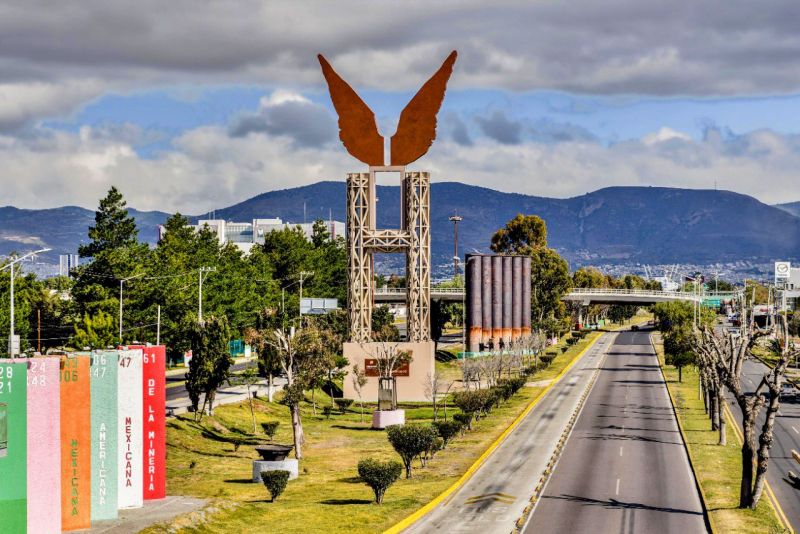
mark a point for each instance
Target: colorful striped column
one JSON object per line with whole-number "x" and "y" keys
{"x": 104, "y": 435}
{"x": 76, "y": 435}
{"x": 13, "y": 447}
{"x": 129, "y": 429}
{"x": 154, "y": 453}
{"x": 44, "y": 437}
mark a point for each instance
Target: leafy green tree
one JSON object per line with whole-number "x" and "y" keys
{"x": 275, "y": 482}
{"x": 521, "y": 236}
{"x": 98, "y": 331}
{"x": 410, "y": 441}
{"x": 383, "y": 327}
{"x": 210, "y": 365}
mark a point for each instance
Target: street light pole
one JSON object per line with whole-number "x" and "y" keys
{"x": 10, "y": 265}
{"x": 200, "y": 292}
{"x": 455, "y": 219}
{"x": 122, "y": 281}
{"x": 303, "y": 275}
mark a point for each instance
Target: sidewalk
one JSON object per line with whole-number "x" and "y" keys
{"x": 152, "y": 512}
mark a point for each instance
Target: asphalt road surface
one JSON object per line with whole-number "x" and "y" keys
{"x": 786, "y": 437}
{"x": 496, "y": 495}
{"x": 624, "y": 468}
{"x": 175, "y": 391}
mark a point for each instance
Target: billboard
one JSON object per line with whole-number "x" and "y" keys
{"x": 104, "y": 435}
{"x": 783, "y": 270}
{"x": 129, "y": 429}
{"x": 76, "y": 435}
{"x": 13, "y": 447}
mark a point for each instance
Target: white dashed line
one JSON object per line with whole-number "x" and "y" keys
{"x": 795, "y": 430}
{"x": 617, "y": 487}
{"x": 620, "y": 451}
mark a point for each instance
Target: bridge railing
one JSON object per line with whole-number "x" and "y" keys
{"x": 402, "y": 290}
{"x": 602, "y": 291}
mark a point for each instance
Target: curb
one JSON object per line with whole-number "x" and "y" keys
{"x": 419, "y": 514}
{"x": 703, "y": 499}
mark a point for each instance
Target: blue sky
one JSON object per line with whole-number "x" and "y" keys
{"x": 205, "y": 104}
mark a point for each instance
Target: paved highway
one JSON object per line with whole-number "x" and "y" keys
{"x": 624, "y": 468}
{"x": 176, "y": 388}
{"x": 497, "y": 494}
{"x": 786, "y": 438}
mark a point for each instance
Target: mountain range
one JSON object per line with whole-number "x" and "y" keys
{"x": 611, "y": 225}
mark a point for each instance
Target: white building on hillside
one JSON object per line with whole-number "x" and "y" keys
{"x": 247, "y": 234}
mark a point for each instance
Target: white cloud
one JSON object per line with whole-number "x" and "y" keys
{"x": 664, "y": 134}
{"x": 207, "y": 168}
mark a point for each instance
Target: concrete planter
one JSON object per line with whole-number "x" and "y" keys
{"x": 383, "y": 418}
{"x": 260, "y": 466}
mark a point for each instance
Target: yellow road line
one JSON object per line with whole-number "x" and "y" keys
{"x": 419, "y": 514}
{"x": 771, "y": 498}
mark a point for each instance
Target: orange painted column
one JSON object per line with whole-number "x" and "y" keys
{"x": 76, "y": 436}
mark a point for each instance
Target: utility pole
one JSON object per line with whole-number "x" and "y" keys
{"x": 200, "y": 292}
{"x": 455, "y": 219}
{"x": 12, "y": 347}
{"x": 122, "y": 281}
{"x": 303, "y": 276}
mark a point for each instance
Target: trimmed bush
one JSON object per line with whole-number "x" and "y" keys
{"x": 270, "y": 428}
{"x": 327, "y": 411}
{"x": 572, "y": 340}
{"x": 470, "y": 402}
{"x": 343, "y": 404}
{"x": 275, "y": 482}
{"x": 447, "y": 430}
{"x": 410, "y": 441}
{"x": 379, "y": 475}
{"x": 464, "y": 420}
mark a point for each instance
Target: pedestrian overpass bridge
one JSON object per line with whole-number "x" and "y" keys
{"x": 583, "y": 295}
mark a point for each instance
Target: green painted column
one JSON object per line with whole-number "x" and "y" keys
{"x": 103, "y": 373}
{"x": 13, "y": 448}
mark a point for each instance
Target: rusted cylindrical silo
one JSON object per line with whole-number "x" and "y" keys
{"x": 507, "y": 299}
{"x": 526, "y": 295}
{"x": 497, "y": 300}
{"x": 486, "y": 299}
{"x": 474, "y": 310}
{"x": 516, "y": 297}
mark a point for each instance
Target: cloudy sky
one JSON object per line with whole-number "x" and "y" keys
{"x": 189, "y": 105}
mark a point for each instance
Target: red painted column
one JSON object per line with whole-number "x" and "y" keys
{"x": 154, "y": 448}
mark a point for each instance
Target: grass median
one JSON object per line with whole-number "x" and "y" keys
{"x": 328, "y": 496}
{"x": 718, "y": 469}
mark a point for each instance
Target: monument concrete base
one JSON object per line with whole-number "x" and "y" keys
{"x": 283, "y": 465}
{"x": 383, "y": 418}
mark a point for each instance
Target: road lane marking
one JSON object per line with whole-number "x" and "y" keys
{"x": 620, "y": 451}
{"x": 795, "y": 430}
{"x": 617, "y": 487}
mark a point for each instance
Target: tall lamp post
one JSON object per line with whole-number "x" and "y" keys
{"x": 12, "y": 349}
{"x": 455, "y": 219}
{"x": 203, "y": 270}
{"x": 121, "y": 282}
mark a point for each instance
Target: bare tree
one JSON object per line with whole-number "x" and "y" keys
{"x": 390, "y": 358}
{"x": 728, "y": 353}
{"x": 359, "y": 378}
{"x": 431, "y": 389}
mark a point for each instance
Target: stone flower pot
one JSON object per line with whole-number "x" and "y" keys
{"x": 274, "y": 453}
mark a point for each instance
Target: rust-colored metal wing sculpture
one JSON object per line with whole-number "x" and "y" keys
{"x": 416, "y": 129}
{"x": 358, "y": 129}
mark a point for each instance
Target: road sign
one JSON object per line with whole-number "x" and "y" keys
{"x": 783, "y": 270}
{"x": 318, "y": 306}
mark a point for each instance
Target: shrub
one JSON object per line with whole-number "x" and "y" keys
{"x": 275, "y": 482}
{"x": 270, "y": 428}
{"x": 447, "y": 430}
{"x": 572, "y": 340}
{"x": 379, "y": 475}
{"x": 464, "y": 420}
{"x": 470, "y": 402}
{"x": 343, "y": 404}
{"x": 410, "y": 441}
{"x": 564, "y": 349}
{"x": 327, "y": 411}
{"x": 491, "y": 398}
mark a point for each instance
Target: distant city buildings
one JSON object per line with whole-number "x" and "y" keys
{"x": 67, "y": 262}
{"x": 247, "y": 234}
